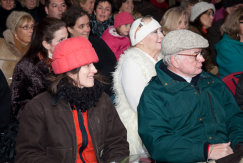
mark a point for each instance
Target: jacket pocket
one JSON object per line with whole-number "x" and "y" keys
{"x": 60, "y": 154}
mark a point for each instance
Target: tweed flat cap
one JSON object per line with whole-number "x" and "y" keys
{"x": 200, "y": 8}
{"x": 180, "y": 40}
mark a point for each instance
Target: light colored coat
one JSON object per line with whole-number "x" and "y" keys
{"x": 9, "y": 55}
{"x": 126, "y": 111}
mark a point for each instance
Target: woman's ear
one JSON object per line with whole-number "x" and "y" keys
{"x": 70, "y": 30}
{"x": 46, "y": 45}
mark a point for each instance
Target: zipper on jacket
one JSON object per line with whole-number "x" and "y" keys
{"x": 211, "y": 107}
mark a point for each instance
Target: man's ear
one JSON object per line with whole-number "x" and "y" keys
{"x": 175, "y": 61}
{"x": 46, "y": 10}
{"x": 46, "y": 45}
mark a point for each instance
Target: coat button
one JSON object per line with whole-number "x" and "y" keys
{"x": 201, "y": 119}
{"x": 166, "y": 83}
{"x": 210, "y": 138}
{"x": 195, "y": 93}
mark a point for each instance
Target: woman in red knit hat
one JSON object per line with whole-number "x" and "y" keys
{"x": 75, "y": 121}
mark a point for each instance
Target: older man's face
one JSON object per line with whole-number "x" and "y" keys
{"x": 190, "y": 62}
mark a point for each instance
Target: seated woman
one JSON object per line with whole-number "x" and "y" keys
{"x": 102, "y": 17}
{"x": 78, "y": 24}
{"x": 29, "y": 77}
{"x": 230, "y": 47}
{"x": 75, "y": 121}
{"x": 134, "y": 70}
{"x": 16, "y": 41}
{"x": 173, "y": 19}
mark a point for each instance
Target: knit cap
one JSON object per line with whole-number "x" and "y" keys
{"x": 230, "y": 3}
{"x": 123, "y": 18}
{"x": 72, "y": 53}
{"x": 139, "y": 30}
{"x": 14, "y": 18}
{"x": 200, "y": 8}
{"x": 180, "y": 40}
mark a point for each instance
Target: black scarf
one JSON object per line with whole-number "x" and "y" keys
{"x": 82, "y": 98}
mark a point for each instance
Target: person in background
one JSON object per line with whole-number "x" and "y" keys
{"x": 87, "y": 5}
{"x": 55, "y": 8}
{"x": 202, "y": 16}
{"x": 78, "y": 24}
{"x": 133, "y": 72}
{"x": 6, "y": 7}
{"x": 75, "y": 120}
{"x": 34, "y": 8}
{"x": 31, "y": 72}
{"x": 214, "y": 33}
{"x": 125, "y": 6}
{"x": 16, "y": 41}
{"x": 187, "y": 5}
{"x": 186, "y": 114}
{"x": 239, "y": 92}
{"x": 102, "y": 17}
{"x": 117, "y": 36}
{"x": 230, "y": 47}
{"x": 173, "y": 19}
{"x": 220, "y": 11}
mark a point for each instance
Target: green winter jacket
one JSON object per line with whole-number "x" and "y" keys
{"x": 176, "y": 119}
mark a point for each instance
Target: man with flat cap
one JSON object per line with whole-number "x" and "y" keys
{"x": 186, "y": 114}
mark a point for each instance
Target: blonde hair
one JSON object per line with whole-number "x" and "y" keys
{"x": 231, "y": 25}
{"x": 172, "y": 19}
{"x": 23, "y": 19}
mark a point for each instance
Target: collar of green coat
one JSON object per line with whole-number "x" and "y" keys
{"x": 175, "y": 84}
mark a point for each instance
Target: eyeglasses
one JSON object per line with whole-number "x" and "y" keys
{"x": 195, "y": 55}
{"x": 26, "y": 27}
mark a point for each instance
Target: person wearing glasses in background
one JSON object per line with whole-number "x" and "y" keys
{"x": 134, "y": 70}
{"x": 16, "y": 41}
{"x": 186, "y": 114}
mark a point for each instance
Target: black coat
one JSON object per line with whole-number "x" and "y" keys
{"x": 239, "y": 92}
{"x": 5, "y": 102}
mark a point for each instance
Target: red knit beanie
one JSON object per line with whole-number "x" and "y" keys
{"x": 72, "y": 53}
{"x": 123, "y": 18}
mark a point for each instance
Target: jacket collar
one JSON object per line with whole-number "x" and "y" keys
{"x": 174, "y": 83}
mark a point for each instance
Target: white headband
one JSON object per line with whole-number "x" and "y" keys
{"x": 139, "y": 30}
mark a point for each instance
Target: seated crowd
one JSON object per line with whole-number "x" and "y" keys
{"x": 88, "y": 81}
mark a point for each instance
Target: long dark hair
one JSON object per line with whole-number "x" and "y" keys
{"x": 44, "y": 31}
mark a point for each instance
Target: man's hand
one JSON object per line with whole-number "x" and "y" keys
{"x": 218, "y": 151}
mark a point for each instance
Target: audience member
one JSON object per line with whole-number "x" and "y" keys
{"x": 230, "y": 47}
{"x": 186, "y": 114}
{"x": 75, "y": 121}
{"x": 29, "y": 77}
{"x": 220, "y": 11}
{"x": 16, "y": 41}
{"x": 55, "y": 8}
{"x": 202, "y": 15}
{"x": 117, "y": 36}
{"x": 78, "y": 22}
{"x": 6, "y": 7}
{"x": 125, "y": 6}
{"x": 87, "y": 5}
{"x": 173, "y": 19}
{"x": 214, "y": 34}
{"x": 133, "y": 72}
{"x": 34, "y": 8}
{"x": 102, "y": 17}
{"x": 187, "y": 5}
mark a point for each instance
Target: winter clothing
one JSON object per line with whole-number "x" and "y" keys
{"x": 29, "y": 80}
{"x": 134, "y": 70}
{"x": 53, "y": 136}
{"x": 5, "y": 103}
{"x": 176, "y": 119}
{"x": 79, "y": 53}
{"x": 229, "y": 56}
{"x": 184, "y": 39}
{"x": 239, "y": 93}
{"x": 10, "y": 54}
{"x": 140, "y": 30}
{"x": 200, "y": 8}
{"x": 14, "y": 18}
{"x": 123, "y": 18}
{"x": 97, "y": 28}
{"x": 107, "y": 62}
{"x": 37, "y": 13}
{"x": 118, "y": 44}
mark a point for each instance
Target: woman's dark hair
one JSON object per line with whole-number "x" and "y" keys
{"x": 99, "y": 1}
{"x": 71, "y": 15}
{"x": 44, "y": 31}
{"x": 117, "y": 5}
